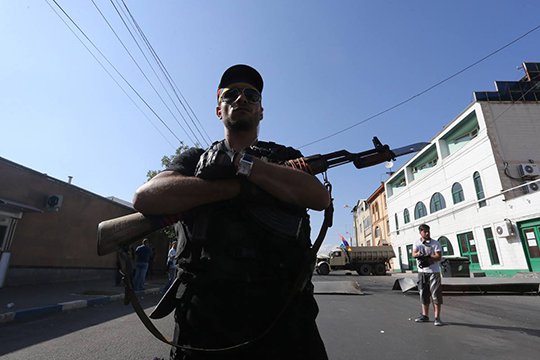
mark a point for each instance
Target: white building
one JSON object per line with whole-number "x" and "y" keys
{"x": 476, "y": 184}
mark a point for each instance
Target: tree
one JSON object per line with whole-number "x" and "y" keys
{"x": 168, "y": 232}
{"x": 166, "y": 161}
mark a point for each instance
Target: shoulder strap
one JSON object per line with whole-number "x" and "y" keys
{"x": 298, "y": 286}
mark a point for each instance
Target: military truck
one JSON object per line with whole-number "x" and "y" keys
{"x": 365, "y": 260}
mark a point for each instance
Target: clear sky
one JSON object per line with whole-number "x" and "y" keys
{"x": 327, "y": 66}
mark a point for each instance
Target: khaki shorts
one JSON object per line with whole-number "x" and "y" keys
{"x": 429, "y": 286}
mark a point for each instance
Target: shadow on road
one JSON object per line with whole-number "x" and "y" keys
{"x": 19, "y": 335}
{"x": 532, "y": 332}
{"x": 491, "y": 293}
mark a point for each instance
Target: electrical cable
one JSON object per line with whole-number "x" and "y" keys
{"x": 171, "y": 82}
{"x": 143, "y": 73}
{"x": 424, "y": 91}
{"x": 533, "y": 87}
{"x": 110, "y": 75}
{"x": 164, "y": 71}
{"x": 167, "y": 75}
{"x": 116, "y": 70}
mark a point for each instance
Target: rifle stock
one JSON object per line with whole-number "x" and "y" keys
{"x": 124, "y": 230}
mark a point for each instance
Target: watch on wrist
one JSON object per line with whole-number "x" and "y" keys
{"x": 245, "y": 165}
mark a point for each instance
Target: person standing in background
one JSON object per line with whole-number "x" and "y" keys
{"x": 142, "y": 258}
{"x": 171, "y": 266}
{"x": 428, "y": 257}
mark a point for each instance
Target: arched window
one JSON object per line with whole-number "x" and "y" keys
{"x": 437, "y": 203}
{"x": 397, "y": 223}
{"x": 377, "y": 232}
{"x": 375, "y": 211}
{"x": 457, "y": 193}
{"x": 420, "y": 210}
{"x": 406, "y": 217}
{"x": 479, "y": 189}
{"x": 446, "y": 246}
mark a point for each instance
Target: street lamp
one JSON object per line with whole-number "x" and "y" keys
{"x": 389, "y": 165}
{"x": 355, "y": 243}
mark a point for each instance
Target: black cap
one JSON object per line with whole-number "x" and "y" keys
{"x": 241, "y": 73}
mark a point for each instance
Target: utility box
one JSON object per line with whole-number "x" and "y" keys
{"x": 455, "y": 267}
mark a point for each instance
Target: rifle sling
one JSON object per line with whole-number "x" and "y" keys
{"x": 298, "y": 286}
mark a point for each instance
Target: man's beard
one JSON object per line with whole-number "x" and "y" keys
{"x": 241, "y": 124}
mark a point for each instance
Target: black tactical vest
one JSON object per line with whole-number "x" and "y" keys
{"x": 237, "y": 266}
{"x": 243, "y": 239}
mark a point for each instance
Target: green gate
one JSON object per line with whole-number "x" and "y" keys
{"x": 467, "y": 246}
{"x": 411, "y": 259}
{"x": 530, "y": 238}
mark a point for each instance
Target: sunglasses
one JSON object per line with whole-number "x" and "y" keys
{"x": 230, "y": 95}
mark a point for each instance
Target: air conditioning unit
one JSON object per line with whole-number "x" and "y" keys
{"x": 504, "y": 229}
{"x": 531, "y": 187}
{"x": 528, "y": 170}
{"x": 54, "y": 202}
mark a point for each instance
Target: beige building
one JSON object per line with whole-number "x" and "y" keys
{"x": 48, "y": 229}
{"x": 379, "y": 217}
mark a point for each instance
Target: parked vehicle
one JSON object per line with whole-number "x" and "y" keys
{"x": 365, "y": 260}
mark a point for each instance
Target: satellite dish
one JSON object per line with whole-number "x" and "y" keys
{"x": 389, "y": 164}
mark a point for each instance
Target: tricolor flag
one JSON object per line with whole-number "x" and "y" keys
{"x": 345, "y": 243}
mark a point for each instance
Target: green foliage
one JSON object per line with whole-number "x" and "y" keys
{"x": 166, "y": 161}
{"x": 168, "y": 232}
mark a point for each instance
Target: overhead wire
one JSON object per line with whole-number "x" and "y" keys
{"x": 175, "y": 87}
{"x": 133, "y": 23}
{"x": 143, "y": 73}
{"x": 171, "y": 81}
{"x": 514, "y": 102}
{"x": 112, "y": 77}
{"x": 117, "y": 71}
{"x": 426, "y": 90}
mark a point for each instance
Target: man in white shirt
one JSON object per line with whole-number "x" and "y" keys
{"x": 171, "y": 266}
{"x": 428, "y": 256}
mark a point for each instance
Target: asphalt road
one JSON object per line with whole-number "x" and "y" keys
{"x": 380, "y": 325}
{"x": 376, "y": 325}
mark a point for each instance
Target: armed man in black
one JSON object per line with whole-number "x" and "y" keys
{"x": 244, "y": 240}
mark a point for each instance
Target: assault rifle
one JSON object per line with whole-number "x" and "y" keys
{"x": 118, "y": 232}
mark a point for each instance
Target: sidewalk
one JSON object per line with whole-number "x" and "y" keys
{"x": 29, "y": 301}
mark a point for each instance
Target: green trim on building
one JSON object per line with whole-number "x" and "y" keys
{"x": 503, "y": 273}
{"x": 489, "y": 273}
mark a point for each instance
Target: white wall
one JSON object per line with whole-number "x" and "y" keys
{"x": 513, "y": 137}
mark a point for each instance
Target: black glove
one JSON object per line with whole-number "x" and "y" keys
{"x": 216, "y": 164}
{"x": 424, "y": 261}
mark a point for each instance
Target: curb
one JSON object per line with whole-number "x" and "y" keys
{"x": 30, "y": 313}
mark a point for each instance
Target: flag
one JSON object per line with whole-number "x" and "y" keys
{"x": 345, "y": 243}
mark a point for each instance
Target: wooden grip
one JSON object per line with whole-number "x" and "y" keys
{"x": 114, "y": 233}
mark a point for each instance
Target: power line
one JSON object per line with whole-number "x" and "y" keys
{"x": 111, "y": 76}
{"x": 424, "y": 91}
{"x": 522, "y": 97}
{"x": 142, "y": 71}
{"x": 115, "y": 69}
{"x": 167, "y": 75}
{"x": 136, "y": 27}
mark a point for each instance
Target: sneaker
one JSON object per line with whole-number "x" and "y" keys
{"x": 422, "y": 318}
{"x": 438, "y": 322}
